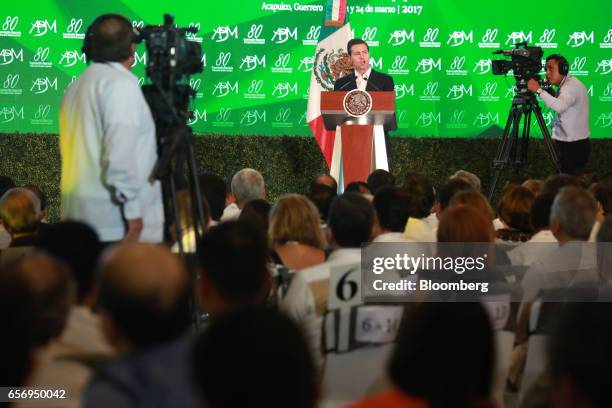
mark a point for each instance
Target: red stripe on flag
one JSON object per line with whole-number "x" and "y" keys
{"x": 342, "y": 11}
{"x": 325, "y": 138}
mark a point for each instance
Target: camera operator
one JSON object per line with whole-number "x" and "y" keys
{"x": 107, "y": 141}
{"x": 571, "y": 124}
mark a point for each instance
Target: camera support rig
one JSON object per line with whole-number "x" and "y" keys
{"x": 526, "y": 64}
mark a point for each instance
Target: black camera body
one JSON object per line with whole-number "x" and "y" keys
{"x": 525, "y": 63}
{"x": 172, "y": 58}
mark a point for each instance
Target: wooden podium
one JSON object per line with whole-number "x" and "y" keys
{"x": 359, "y": 146}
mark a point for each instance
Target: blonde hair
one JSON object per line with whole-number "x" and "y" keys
{"x": 295, "y": 218}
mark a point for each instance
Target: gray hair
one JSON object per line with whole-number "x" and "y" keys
{"x": 247, "y": 185}
{"x": 575, "y": 210}
{"x": 20, "y": 209}
{"x": 468, "y": 177}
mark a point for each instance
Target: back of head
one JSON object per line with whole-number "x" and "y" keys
{"x": 78, "y": 245}
{"x": 450, "y": 374}
{"x": 555, "y": 183}
{"x": 326, "y": 180}
{"x": 540, "y": 211}
{"x": 261, "y": 350}
{"x": 533, "y": 185}
{"x": 358, "y": 187}
{"x": 421, "y": 194}
{"x": 515, "y": 207}
{"x": 109, "y": 39}
{"x": 247, "y": 185}
{"x": 214, "y": 190}
{"x": 463, "y": 223}
{"x": 20, "y": 210}
{"x": 448, "y": 190}
{"x": 257, "y": 212}
{"x": 47, "y": 293}
{"x": 392, "y": 206}
{"x": 474, "y": 199}
{"x": 603, "y": 194}
{"x": 295, "y": 218}
{"x": 143, "y": 288}
{"x": 380, "y": 178}
{"x": 350, "y": 219}
{"x": 322, "y": 196}
{"x": 234, "y": 258}
{"x": 579, "y": 355}
{"x": 472, "y": 179}
{"x": 575, "y": 210}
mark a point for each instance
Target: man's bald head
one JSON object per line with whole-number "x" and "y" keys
{"x": 109, "y": 39}
{"x": 144, "y": 289}
{"x": 20, "y": 210}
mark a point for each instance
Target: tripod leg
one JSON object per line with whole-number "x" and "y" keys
{"x": 547, "y": 139}
{"x": 521, "y": 158}
{"x": 505, "y": 147}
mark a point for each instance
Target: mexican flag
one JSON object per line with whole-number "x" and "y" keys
{"x": 330, "y": 62}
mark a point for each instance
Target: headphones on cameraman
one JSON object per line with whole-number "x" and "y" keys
{"x": 561, "y": 63}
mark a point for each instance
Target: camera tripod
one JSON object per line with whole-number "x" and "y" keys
{"x": 513, "y": 151}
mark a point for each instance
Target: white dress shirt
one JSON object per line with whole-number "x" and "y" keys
{"x": 108, "y": 149}
{"x": 362, "y": 82}
{"x": 572, "y": 106}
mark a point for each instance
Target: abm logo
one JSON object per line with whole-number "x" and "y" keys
{"x": 252, "y": 117}
{"x": 482, "y": 66}
{"x": 519, "y": 36}
{"x": 457, "y": 92}
{"x": 485, "y": 119}
{"x": 43, "y": 84}
{"x": 604, "y": 120}
{"x": 579, "y": 38}
{"x": 457, "y": 38}
{"x": 197, "y": 116}
{"x": 427, "y": 119}
{"x": 71, "y": 57}
{"x": 399, "y": 37}
{"x": 306, "y": 64}
{"x": 252, "y": 62}
{"x": 604, "y": 66}
{"x": 8, "y": 55}
{"x": 222, "y": 89}
{"x": 283, "y": 34}
{"x": 403, "y": 90}
{"x": 284, "y": 89}
{"x": 426, "y": 65}
{"x": 10, "y": 113}
{"x": 42, "y": 27}
{"x": 223, "y": 33}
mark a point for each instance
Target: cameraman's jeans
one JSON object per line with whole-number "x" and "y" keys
{"x": 573, "y": 156}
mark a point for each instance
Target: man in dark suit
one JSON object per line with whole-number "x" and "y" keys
{"x": 364, "y": 77}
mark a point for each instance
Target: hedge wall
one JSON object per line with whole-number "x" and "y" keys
{"x": 289, "y": 163}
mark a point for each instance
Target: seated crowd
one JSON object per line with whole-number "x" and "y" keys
{"x": 256, "y": 323}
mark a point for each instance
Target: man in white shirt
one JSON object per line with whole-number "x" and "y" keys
{"x": 350, "y": 224}
{"x": 107, "y": 141}
{"x": 570, "y": 128}
{"x": 247, "y": 185}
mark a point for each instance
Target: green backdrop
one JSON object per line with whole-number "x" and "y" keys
{"x": 258, "y": 57}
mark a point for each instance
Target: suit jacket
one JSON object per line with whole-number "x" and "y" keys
{"x": 377, "y": 81}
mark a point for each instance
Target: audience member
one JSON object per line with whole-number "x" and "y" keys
{"x": 144, "y": 301}
{"x": 514, "y": 213}
{"x": 350, "y": 224}
{"x": 474, "y": 199}
{"x": 322, "y": 197}
{"x": 533, "y": 185}
{"x": 326, "y": 180}
{"x": 380, "y": 178}
{"x": 42, "y": 197}
{"x": 470, "y": 178}
{"x": 555, "y": 183}
{"x": 579, "y": 356}
{"x": 247, "y": 185}
{"x": 214, "y": 190}
{"x": 263, "y": 353}
{"x": 459, "y": 376}
{"x": 358, "y": 187}
{"x": 602, "y": 191}
{"x": 392, "y": 208}
{"x": 463, "y": 223}
{"x": 20, "y": 214}
{"x": 234, "y": 265}
{"x": 296, "y": 239}
{"x": 422, "y": 221}
{"x": 257, "y": 212}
